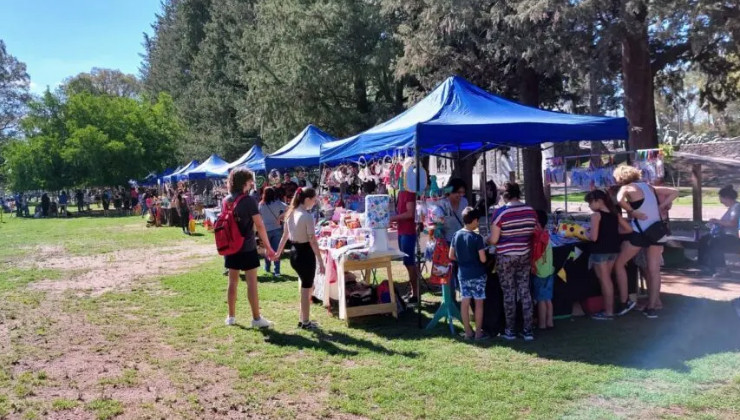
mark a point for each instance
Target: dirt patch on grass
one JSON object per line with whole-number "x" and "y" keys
{"x": 83, "y": 362}
{"x": 120, "y": 269}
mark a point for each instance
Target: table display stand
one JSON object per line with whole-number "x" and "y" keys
{"x": 447, "y": 310}
{"x": 345, "y": 312}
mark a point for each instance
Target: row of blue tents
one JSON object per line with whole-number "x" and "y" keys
{"x": 457, "y": 116}
{"x": 303, "y": 150}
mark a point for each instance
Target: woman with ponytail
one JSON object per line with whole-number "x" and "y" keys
{"x": 300, "y": 230}
{"x": 606, "y": 224}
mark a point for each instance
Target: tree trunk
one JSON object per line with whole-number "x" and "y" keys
{"x": 361, "y": 101}
{"x": 639, "y": 99}
{"x": 534, "y": 190}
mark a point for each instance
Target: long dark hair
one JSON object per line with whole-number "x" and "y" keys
{"x": 268, "y": 195}
{"x": 603, "y": 196}
{"x": 300, "y": 196}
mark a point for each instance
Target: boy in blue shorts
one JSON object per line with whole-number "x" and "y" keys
{"x": 468, "y": 249}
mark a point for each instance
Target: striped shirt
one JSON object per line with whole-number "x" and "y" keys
{"x": 517, "y": 223}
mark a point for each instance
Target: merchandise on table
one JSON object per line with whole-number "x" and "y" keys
{"x": 377, "y": 211}
{"x": 573, "y": 230}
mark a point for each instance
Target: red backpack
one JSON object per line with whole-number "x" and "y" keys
{"x": 540, "y": 240}
{"x": 229, "y": 239}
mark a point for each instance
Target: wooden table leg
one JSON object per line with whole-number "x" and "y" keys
{"x": 393, "y": 290}
{"x": 341, "y": 292}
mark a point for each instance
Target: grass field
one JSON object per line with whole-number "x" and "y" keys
{"x": 155, "y": 346}
{"x": 709, "y": 197}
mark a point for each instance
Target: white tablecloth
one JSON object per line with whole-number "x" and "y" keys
{"x": 211, "y": 214}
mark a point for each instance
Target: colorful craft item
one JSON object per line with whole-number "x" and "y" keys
{"x": 563, "y": 275}
{"x": 572, "y": 230}
{"x": 441, "y": 267}
{"x": 377, "y": 211}
{"x": 433, "y": 187}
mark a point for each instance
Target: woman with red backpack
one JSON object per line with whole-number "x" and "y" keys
{"x": 240, "y": 208}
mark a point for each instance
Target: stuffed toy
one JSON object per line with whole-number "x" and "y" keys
{"x": 573, "y": 230}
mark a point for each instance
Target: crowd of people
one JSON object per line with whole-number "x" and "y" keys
{"x": 626, "y": 224}
{"x": 523, "y": 255}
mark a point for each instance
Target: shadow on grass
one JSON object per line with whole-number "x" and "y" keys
{"x": 326, "y": 341}
{"x": 687, "y": 329}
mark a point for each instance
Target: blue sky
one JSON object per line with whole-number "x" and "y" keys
{"x": 61, "y": 38}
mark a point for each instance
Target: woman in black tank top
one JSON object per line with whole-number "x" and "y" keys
{"x": 605, "y": 223}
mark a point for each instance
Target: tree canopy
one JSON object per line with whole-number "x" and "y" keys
{"x": 14, "y": 86}
{"x": 232, "y": 73}
{"x": 85, "y": 139}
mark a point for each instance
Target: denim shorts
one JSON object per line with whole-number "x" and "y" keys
{"x": 407, "y": 245}
{"x": 542, "y": 288}
{"x": 600, "y": 259}
{"x": 474, "y": 288}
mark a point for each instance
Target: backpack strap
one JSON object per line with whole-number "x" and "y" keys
{"x": 225, "y": 205}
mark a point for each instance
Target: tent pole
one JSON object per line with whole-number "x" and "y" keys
{"x": 418, "y": 239}
{"x": 485, "y": 188}
{"x": 565, "y": 181}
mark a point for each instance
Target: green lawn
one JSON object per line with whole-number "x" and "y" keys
{"x": 684, "y": 364}
{"x": 709, "y": 197}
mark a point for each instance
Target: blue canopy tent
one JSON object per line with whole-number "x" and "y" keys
{"x": 254, "y": 160}
{"x": 303, "y": 150}
{"x": 177, "y": 175}
{"x": 459, "y": 116}
{"x": 213, "y": 167}
{"x": 166, "y": 172}
{"x": 149, "y": 180}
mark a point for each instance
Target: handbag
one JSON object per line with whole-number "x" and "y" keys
{"x": 658, "y": 230}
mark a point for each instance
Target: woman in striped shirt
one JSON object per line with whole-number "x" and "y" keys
{"x": 511, "y": 232}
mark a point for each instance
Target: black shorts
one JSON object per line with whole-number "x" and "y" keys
{"x": 245, "y": 261}
{"x": 642, "y": 241}
{"x": 303, "y": 262}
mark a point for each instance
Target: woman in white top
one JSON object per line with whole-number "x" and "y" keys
{"x": 645, "y": 205}
{"x": 300, "y": 230}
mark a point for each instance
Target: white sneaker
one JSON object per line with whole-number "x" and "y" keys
{"x": 230, "y": 320}
{"x": 262, "y": 323}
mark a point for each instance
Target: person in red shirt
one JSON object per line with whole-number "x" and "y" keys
{"x": 406, "y": 218}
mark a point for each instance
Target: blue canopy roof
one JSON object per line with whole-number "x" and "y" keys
{"x": 459, "y": 116}
{"x": 302, "y": 150}
{"x": 213, "y": 167}
{"x": 149, "y": 180}
{"x": 254, "y": 160}
{"x": 176, "y": 176}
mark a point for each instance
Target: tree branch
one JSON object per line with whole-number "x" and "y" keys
{"x": 669, "y": 56}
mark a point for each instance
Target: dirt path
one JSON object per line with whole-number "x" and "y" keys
{"x": 61, "y": 355}
{"x": 97, "y": 274}
{"x": 65, "y": 354}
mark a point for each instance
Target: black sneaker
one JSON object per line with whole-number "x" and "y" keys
{"x": 626, "y": 307}
{"x": 508, "y": 335}
{"x": 308, "y": 325}
{"x": 650, "y": 313}
{"x": 602, "y": 316}
{"x": 527, "y": 335}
